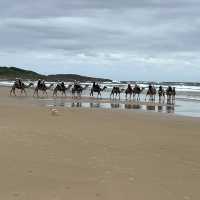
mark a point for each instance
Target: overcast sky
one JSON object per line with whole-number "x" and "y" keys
{"x": 117, "y": 39}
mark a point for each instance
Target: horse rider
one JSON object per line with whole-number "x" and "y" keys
{"x": 19, "y": 82}
{"x": 62, "y": 85}
{"x": 39, "y": 83}
{"x": 150, "y": 88}
{"x": 173, "y": 92}
{"x": 160, "y": 90}
{"x": 169, "y": 89}
{"x": 43, "y": 84}
{"x": 94, "y": 84}
{"x": 129, "y": 87}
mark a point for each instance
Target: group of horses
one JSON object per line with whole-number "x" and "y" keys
{"x": 135, "y": 91}
{"x": 76, "y": 90}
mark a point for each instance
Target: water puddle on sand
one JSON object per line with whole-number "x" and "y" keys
{"x": 183, "y": 108}
{"x": 115, "y": 105}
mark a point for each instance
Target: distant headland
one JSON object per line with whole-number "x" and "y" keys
{"x": 10, "y": 73}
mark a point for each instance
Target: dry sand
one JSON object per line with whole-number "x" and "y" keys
{"x": 96, "y": 154}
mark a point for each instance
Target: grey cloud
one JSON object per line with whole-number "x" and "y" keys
{"x": 116, "y": 34}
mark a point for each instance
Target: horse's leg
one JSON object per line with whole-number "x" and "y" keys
{"x": 14, "y": 93}
{"x": 35, "y": 91}
{"x": 24, "y": 92}
{"x": 160, "y": 97}
{"x": 111, "y": 94}
{"x": 11, "y": 91}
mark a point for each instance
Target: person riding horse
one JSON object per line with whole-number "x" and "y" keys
{"x": 18, "y": 81}
{"x": 169, "y": 90}
{"x": 62, "y": 85}
{"x": 39, "y": 83}
{"x": 160, "y": 91}
{"x": 150, "y": 88}
{"x": 96, "y": 86}
{"x": 77, "y": 85}
{"x": 129, "y": 87}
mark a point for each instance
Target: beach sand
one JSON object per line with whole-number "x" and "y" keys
{"x": 90, "y": 154}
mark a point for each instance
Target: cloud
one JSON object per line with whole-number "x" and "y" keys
{"x": 152, "y": 39}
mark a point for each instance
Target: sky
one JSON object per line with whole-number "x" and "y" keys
{"x": 118, "y": 39}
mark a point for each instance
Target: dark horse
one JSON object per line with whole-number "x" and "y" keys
{"x": 115, "y": 92}
{"x": 97, "y": 89}
{"x": 129, "y": 91}
{"x": 60, "y": 87}
{"x": 137, "y": 90}
{"x": 151, "y": 92}
{"x": 20, "y": 86}
{"x": 42, "y": 86}
{"x": 171, "y": 94}
{"x": 78, "y": 89}
{"x": 161, "y": 93}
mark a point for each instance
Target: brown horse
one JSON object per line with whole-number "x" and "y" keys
{"x": 19, "y": 86}
{"x": 161, "y": 93}
{"x": 78, "y": 89}
{"x": 43, "y": 88}
{"x": 151, "y": 92}
{"x": 115, "y": 92}
{"x": 137, "y": 91}
{"x": 129, "y": 91}
{"x": 61, "y": 88}
{"x": 97, "y": 89}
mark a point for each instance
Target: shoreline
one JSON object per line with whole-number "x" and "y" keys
{"x": 181, "y": 108}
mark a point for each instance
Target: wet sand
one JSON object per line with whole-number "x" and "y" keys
{"x": 96, "y": 154}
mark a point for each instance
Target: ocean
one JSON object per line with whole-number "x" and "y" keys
{"x": 187, "y": 98}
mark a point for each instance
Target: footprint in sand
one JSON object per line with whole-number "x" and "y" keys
{"x": 16, "y": 194}
{"x": 98, "y": 195}
{"x": 131, "y": 179}
{"x": 186, "y": 197}
{"x": 102, "y": 181}
{"x": 108, "y": 172}
{"x": 67, "y": 187}
{"x": 30, "y": 171}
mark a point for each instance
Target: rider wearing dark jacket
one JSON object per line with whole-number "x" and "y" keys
{"x": 150, "y": 87}
{"x": 62, "y": 85}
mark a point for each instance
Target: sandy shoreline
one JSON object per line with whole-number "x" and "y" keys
{"x": 96, "y": 154}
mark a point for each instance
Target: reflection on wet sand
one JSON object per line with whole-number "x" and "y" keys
{"x": 132, "y": 106}
{"x": 169, "y": 108}
{"x": 150, "y": 107}
{"x": 76, "y": 104}
{"x": 160, "y": 108}
{"x": 114, "y": 105}
{"x": 95, "y": 105}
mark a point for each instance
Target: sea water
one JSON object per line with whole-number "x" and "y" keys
{"x": 187, "y": 99}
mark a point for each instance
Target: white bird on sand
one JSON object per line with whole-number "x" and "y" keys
{"x": 54, "y": 111}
